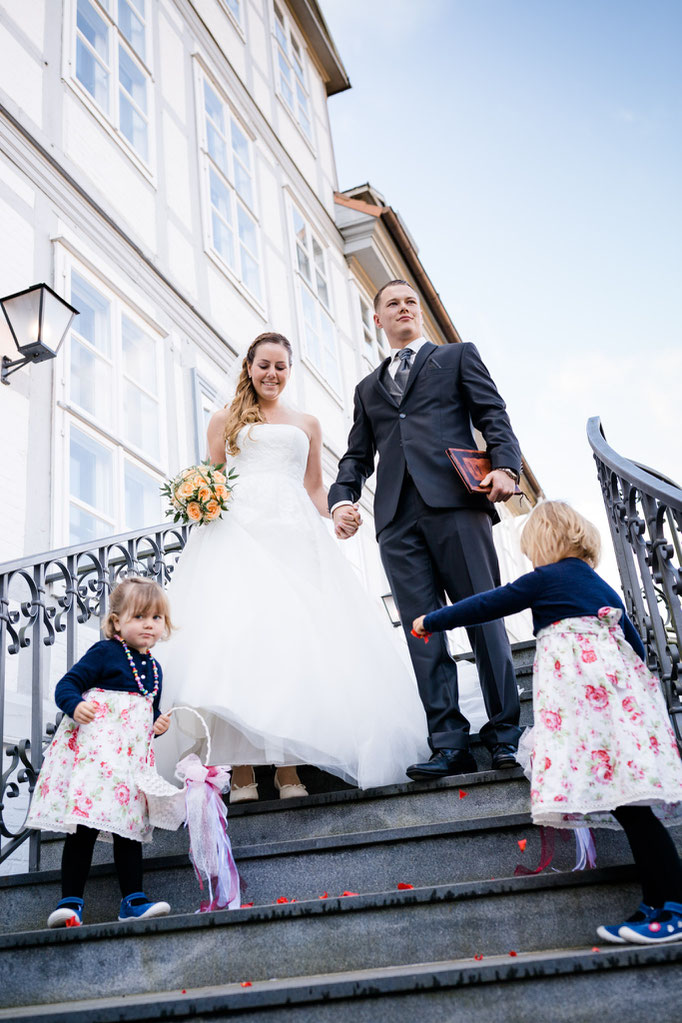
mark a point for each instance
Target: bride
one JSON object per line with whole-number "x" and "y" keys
{"x": 277, "y": 645}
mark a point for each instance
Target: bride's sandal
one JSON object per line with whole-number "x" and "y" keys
{"x": 245, "y": 793}
{"x": 290, "y": 791}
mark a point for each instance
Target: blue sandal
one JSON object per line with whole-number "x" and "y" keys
{"x": 665, "y": 926}
{"x": 642, "y": 915}
{"x": 138, "y": 907}
{"x": 69, "y": 913}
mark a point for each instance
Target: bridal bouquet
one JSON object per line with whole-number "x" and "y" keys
{"x": 199, "y": 494}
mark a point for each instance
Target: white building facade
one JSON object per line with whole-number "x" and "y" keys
{"x": 167, "y": 167}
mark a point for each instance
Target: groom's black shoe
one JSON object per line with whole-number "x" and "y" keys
{"x": 504, "y": 756}
{"x": 443, "y": 763}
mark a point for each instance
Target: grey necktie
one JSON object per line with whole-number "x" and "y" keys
{"x": 403, "y": 370}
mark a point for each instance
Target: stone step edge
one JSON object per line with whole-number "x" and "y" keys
{"x": 460, "y": 891}
{"x": 341, "y": 796}
{"x": 261, "y": 996}
{"x": 300, "y": 846}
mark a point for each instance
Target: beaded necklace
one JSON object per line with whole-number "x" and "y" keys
{"x": 136, "y": 675}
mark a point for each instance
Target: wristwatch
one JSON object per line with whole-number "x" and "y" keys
{"x": 510, "y": 472}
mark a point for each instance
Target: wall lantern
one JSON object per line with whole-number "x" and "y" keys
{"x": 38, "y": 320}
{"x": 391, "y": 609}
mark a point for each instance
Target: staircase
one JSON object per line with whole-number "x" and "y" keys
{"x": 468, "y": 938}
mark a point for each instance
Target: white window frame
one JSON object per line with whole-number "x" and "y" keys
{"x": 204, "y": 397}
{"x": 374, "y": 348}
{"x": 70, "y": 415}
{"x": 110, "y": 119}
{"x": 236, "y": 19}
{"x": 228, "y": 180}
{"x": 288, "y": 43}
{"x": 324, "y": 309}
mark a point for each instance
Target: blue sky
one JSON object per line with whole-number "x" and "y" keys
{"x": 534, "y": 150}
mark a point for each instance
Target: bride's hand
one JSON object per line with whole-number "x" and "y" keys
{"x": 347, "y": 520}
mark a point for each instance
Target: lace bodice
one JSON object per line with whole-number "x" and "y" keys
{"x": 272, "y": 448}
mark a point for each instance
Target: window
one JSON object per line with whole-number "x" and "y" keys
{"x": 232, "y": 225}
{"x": 115, "y": 443}
{"x": 235, "y": 9}
{"x": 374, "y": 348}
{"x": 313, "y": 286}
{"x": 111, "y": 56}
{"x": 290, "y": 71}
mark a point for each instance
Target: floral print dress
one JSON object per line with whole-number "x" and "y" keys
{"x": 90, "y": 772}
{"x": 602, "y": 736}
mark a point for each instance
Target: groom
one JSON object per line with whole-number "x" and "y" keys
{"x": 435, "y": 538}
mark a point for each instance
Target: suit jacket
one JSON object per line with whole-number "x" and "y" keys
{"x": 448, "y": 389}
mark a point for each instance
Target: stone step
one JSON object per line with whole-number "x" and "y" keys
{"x": 464, "y": 850}
{"x": 561, "y": 985}
{"x": 341, "y": 812}
{"x": 559, "y": 910}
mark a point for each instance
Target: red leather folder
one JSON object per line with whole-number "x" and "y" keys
{"x": 472, "y": 467}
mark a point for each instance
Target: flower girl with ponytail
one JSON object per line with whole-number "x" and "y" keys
{"x": 87, "y": 785}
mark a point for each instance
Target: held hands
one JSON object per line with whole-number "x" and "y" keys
{"x": 502, "y": 485}
{"x": 161, "y": 724}
{"x": 347, "y": 520}
{"x": 84, "y": 713}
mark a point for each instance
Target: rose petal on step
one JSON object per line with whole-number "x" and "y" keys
{"x": 281, "y": 899}
{"x": 512, "y": 952}
{"x": 478, "y": 956}
{"x": 245, "y": 983}
{"x": 462, "y": 793}
{"x": 522, "y": 844}
{"x": 246, "y": 905}
{"x": 73, "y": 921}
{"x": 325, "y": 895}
{"x": 402, "y": 887}
{"x": 595, "y": 948}
{"x": 350, "y": 893}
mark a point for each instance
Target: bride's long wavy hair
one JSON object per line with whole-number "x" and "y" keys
{"x": 245, "y": 410}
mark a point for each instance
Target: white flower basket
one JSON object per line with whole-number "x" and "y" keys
{"x": 165, "y": 801}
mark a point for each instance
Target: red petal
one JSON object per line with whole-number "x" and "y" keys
{"x": 73, "y": 921}
{"x": 247, "y": 905}
{"x": 350, "y": 893}
{"x": 462, "y": 793}
{"x": 513, "y": 953}
{"x": 402, "y": 887}
{"x": 183, "y": 992}
{"x": 522, "y": 844}
{"x": 478, "y": 956}
{"x": 324, "y": 896}
{"x": 282, "y": 899}
{"x": 245, "y": 983}
{"x": 595, "y": 948}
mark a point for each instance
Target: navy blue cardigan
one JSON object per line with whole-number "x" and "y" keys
{"x": 565, "y": 589}
{"x": 105, "y": 666}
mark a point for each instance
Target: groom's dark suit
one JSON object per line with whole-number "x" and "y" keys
{"x": 435, "y": 537}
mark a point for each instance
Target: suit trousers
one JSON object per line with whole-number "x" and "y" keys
{"x": 428, "y": 553}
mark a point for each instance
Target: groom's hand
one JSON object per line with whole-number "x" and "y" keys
{"x": 502, "y": 486}
{"x": 347, "y": 519}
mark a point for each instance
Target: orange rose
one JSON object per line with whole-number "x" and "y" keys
{"x": 212, "y": 510}
{"x": 194, "y": 511}
{"x": 218, "y": 476}
{"x": 222, "y": 493}
{"x": 185, "y": 489}
{"x": 204, "y": 493}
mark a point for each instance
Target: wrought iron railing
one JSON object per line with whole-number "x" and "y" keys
{"x": 644, "y": 510}
{"x": 46, "y": 601}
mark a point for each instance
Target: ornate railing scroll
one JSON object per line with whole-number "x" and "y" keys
{"x": 42, "y": 597}
{"x": 644, "y": 510}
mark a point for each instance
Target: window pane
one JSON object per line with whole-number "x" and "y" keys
{"x": 92, "y": 75}
{"x": 84, "y": 527}
{"x": 216, "y": 146}
{"x": 280, "y": 31}
{"x": 91, "y": 472}
{"x": 309, "y": 308}
{"x": 318, "y": 255}
{"x": 220, "y": 197}
{"x": 214, "y": 107}
{"x": 331, "y": 363}
{"x": 93, "y": 27}
{"x": 139, "y": 355}
{"x": 322, "y": 292}
{"x": 132, "y": 79}
{"x": 242, "y": 181}
{"x": 303, "y": 117}
{"x": 131, "y": 24}
{"x": 90, "y": 382}
{"x": 133, "y": 126}
{"x": 250, "y": 275}
{"x": 284, "y": 86}
{"x": 223, "y": 240}
{"x": 141, "y": 420}
{"x": 94, "y": 321}
{"x": 240, "y": 145}
{"x": 303, "y": 262}
{"x": 234, "y": 7}
{"x": 247, "y": 230}
{"x": 297, "y": 60}
{"x": 142, "y": 498}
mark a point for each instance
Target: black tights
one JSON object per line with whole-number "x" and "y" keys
{"x": 655, "y": 855}
{"x": 77, "y": 857}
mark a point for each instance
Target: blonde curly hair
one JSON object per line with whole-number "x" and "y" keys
{"x": 244, "y": 409}
{"x": 554, "y": 531}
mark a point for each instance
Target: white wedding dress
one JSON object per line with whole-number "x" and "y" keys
{"x": 277, "y": 644}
